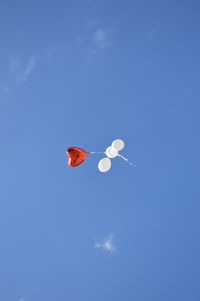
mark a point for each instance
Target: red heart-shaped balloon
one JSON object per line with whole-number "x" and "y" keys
{"x": 76, "y": 156}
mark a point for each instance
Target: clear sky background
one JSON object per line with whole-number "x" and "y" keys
{"x": 83, "y": 73}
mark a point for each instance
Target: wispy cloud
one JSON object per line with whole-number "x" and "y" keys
{"x": 30, "y": 66}
{"x": 107, "y": 244}
{"x": 16, "y": 72}
{"x": 100, "y": 39}
{"x": 22, "y": 71}
{"x": 95, "y": 38}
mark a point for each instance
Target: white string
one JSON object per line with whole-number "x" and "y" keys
{"x": 96, "y": 153}
{"x": 126, "y": 160}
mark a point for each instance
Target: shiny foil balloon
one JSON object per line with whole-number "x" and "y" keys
{"x": 76, "y": 156}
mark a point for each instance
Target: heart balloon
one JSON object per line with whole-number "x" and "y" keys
{"x": 76, "y": 156}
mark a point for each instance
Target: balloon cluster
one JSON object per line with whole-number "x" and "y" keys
{"x": 111, "y": 152}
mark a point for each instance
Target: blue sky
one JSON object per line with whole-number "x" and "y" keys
{"x": 83, "y": 73}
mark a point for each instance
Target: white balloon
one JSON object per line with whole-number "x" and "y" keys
{"x": 118, "y": 144}
{"x": 104, "y": 164}
{"x": 111, "y": 152}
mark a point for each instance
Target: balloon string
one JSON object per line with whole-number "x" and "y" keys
{"x": 96, "y": 153}
{"x": 126, "y": 160}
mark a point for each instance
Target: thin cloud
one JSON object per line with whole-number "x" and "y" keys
{"x": 16, "y": 72}
{"x": 94, "y": 39}
{"x": 107, "y": 244}
{"x": 25, "y": 71}
{"x": 19, "y": 71}
{"x": 100, "y": 39}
